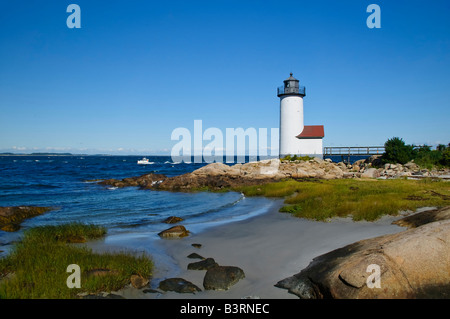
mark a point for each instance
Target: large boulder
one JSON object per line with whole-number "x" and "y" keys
{"x": 370, "y": 173}
{"x": 212, "y": 169}
{"x": 204, "y": 264}
{"x": 174, "y": 232}
{"x": 138, "y": 281}
{"x": 222, "y": 277}
{"x": 414, "y": 263}
{"x": 179, "y": 285}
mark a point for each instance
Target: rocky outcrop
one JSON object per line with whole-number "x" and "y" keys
{"x": 425, "y": 217}
{"x": 222, "y": 277}
{"x": 144, "y": 181}
{"x": 414, "y": 263}
{"x": 217, "y": 176}
{"x": 372, "y": 167}
{"x": 12, "y": 217}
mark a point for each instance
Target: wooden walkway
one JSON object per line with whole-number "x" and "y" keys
{"x": 346, "y": 151}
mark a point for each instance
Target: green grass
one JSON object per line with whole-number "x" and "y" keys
{"x": 361, "y": 199}
{"x": 39, "y": 262}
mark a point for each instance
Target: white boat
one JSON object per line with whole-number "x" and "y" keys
{"x": 144, "y": 161}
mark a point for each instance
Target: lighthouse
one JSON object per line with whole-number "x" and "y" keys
{"x": 295, "y": 137}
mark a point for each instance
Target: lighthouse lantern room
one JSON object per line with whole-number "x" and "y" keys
{"x": 295, "y": 137}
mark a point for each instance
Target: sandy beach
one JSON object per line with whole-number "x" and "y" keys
{"x": 268, "y": 247}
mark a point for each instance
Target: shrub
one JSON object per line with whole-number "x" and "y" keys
{"x": 446, "y": 157}
{"x": 425, "y": 157}
{"x": 396, "y": 151}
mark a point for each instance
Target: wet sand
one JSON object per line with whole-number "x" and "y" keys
{"x": 268, "y": 247}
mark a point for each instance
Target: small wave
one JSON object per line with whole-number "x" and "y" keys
{"x": 220, "y": 208}
{"x": 112, "y": 188}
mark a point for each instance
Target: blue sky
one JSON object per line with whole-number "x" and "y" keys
{"x": 136, "y": 70}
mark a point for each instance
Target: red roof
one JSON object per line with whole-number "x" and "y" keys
{"x": 312, "y": 131}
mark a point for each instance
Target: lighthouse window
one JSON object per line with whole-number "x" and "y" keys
{"x": 287, "y": 84}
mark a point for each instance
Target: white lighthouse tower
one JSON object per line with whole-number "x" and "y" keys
{"x": 295, "y": 137}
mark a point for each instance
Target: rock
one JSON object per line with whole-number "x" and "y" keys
{"x": 222, "y": 277}
{"x": 389, "y": 172}
{"x": 375, "y": 160}
{"x": 213, "y": 169}
{"x": 412, "y": 166}
{"x": 174, "y": 232}
{"x": 360, "y": 162}
{"x": 11, "y": 217}
{"x": 173, "y": 220}
{"x": 143, "y": 181}
{"x": 203, "y": 265}
{"x": 301, "y": 173}
{"x": 10, "y": 227}
{"x": 195, "y": 256}
{"x": 317, "y": 160}
{"x": 196, "y": 245}
{"x": 414, "y": 263}
{"x": 425, "y": 217}
{"x": 139, "y": 282}
{"x": 219, "y": 176}
{"x": 179, "y": 285}
{"x": 370, "y": 173}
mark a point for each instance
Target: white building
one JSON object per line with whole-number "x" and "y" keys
{"x": 295, "y": 137}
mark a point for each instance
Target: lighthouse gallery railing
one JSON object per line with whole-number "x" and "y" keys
{"x": 282, "y": 90}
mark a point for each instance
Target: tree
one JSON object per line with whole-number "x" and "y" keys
{"x": 396, "y": 151}
{"x": 446, "y": 157}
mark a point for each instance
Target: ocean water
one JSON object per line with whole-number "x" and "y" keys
{"x": 66, "y": 184}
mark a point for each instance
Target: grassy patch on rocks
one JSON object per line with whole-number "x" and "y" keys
{"x": 361, "y": 199}
{"x": 37, "y": 265}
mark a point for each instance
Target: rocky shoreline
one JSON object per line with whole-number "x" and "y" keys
{"x": 12, "y": 217}
{"x": 414, "y": 263}
{"x": 217, "y": 176}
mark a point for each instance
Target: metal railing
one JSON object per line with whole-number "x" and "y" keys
{"x": 353, "y": 150}
{"x": 292, "y": 90}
